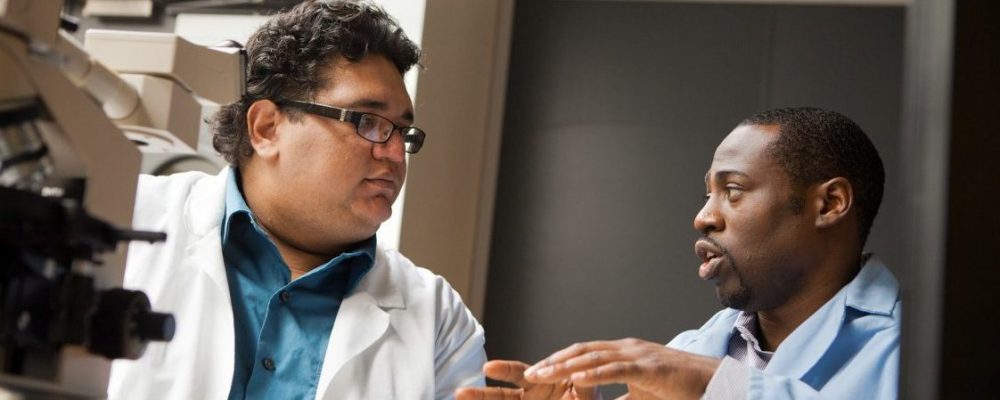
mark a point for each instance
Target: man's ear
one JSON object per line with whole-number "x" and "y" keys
{"x": 836, "y": 198}
{"x": 263, "y": 117}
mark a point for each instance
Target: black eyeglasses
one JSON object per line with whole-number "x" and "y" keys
{"x": 372, "y": 127}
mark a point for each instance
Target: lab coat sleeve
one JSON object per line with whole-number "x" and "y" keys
{"x": 459, "y": 354}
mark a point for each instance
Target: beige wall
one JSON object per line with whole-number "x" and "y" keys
{"x": 450, "y": 187}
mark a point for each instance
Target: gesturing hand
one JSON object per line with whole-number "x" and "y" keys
{"x": 649, "y": 369}
{"x": 513, "y": 372}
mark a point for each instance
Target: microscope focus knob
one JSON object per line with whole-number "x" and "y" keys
{"x": 122, "y": 325}
{"x": 154, "y": 326}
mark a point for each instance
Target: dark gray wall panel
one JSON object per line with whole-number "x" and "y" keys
{"x": 614, "y": 112}
{"x": 848, "y": 59}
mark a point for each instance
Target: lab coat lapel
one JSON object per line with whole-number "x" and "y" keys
{"x": 206, "y": 255}
{"x": 360, "y": 323}
{"x": 362, "y": 319}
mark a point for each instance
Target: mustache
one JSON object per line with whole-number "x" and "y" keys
{"x": 723, "y": 249}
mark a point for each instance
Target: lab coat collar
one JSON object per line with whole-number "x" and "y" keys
{"x": 202, "y": 217}
{"x": 874, "y": 291}
{"x": 381, "y": 284}
{"x": 206, "y": 203}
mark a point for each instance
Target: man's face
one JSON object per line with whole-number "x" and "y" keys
{"x": 335, "y": 186}
{"x": 756, "y": 239}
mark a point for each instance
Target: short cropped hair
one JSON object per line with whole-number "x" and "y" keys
{"x": 288, "y": 55}
{"x": 815, "y": 145}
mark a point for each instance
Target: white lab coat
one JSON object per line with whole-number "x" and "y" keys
{"x": 402, "y": 333}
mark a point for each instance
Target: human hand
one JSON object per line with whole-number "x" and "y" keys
{"x": 651, "y": 370}
{"x": 513, "y": 372}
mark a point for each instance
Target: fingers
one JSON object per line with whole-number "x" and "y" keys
{"x": 587, "y": 356}
{"x": 549, "y": 369}
{"x": 488, "y": 393}
{"x": 615, "y": 372}
{"x": 507, "y": 371}
{"x": 584, "y": 362}
{"x": 580, "y": 348}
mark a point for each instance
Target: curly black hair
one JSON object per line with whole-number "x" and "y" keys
{"x": 815, "y": 145}
{"x": 287, "y": 56}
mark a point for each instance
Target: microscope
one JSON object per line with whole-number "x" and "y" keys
{"x": 74, "y": 121}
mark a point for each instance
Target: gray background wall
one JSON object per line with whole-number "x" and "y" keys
{"x": 613, "y": 112}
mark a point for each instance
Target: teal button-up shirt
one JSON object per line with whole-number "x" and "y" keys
{"x": 282, "y": 326}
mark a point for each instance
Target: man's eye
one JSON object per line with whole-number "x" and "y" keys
{"x": 733, "y": 191}
{"x": 367, "y": 123}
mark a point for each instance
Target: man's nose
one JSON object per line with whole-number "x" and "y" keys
{"x": 708, "y": 218}
{"x": 392, "y": 150}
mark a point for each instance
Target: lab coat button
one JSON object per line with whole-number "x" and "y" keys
{"x": 268, "y": 364}
{"x": 284, "y": 296}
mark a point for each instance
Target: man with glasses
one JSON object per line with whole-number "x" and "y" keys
{"x": 271, "y": 268}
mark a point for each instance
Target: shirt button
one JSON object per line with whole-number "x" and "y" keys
{"x": 284, "y": 296}
{"x": 268, "y": 364}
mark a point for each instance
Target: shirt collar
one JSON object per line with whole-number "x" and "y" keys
{"x": 235, "y": 203}
{"x": 746, "y": 326}
{"x": 874, "y": 290}
{"x": 367, "y": 247}
{"x": 356, "y": 271}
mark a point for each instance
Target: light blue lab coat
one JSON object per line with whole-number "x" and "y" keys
{"x": 848, "y": 349}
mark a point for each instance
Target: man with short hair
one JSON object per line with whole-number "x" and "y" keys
{"x": 790, "y": 198}
{"x": 271, "y": 268}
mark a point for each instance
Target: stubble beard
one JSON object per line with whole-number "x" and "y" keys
{"x": 741, "y": 297}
